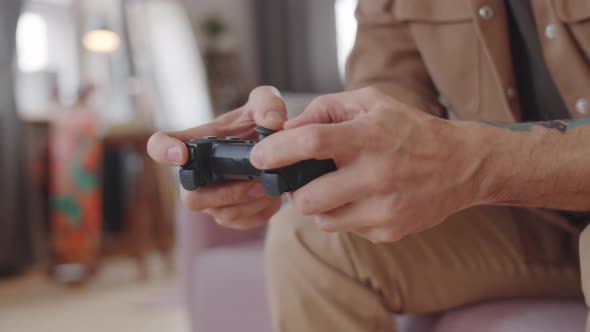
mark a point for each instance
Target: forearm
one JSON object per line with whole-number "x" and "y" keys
{"x": 544, "y": 164}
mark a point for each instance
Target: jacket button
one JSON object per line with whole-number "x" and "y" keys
{"x": 551, "y": 31}
{"x": 582, "y": 105}
{"x": 486, "y": 12}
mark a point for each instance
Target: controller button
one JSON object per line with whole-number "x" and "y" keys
{"x": 232, "y": 138}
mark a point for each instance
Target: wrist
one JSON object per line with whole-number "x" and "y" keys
{"x": 473, "y": 162}
{"x": 511, "y": 163}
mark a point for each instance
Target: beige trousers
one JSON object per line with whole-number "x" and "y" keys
{"x": 340, "y": 282}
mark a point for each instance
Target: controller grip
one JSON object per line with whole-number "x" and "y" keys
{"x": 293, "y": 177}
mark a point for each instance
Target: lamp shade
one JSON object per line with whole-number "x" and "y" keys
{"x": 101, "y": 40}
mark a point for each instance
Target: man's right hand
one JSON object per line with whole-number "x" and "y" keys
{"x": 237, "y": 204}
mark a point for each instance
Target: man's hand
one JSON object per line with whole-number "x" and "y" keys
{"x": 400, "y": 171}
{"x": 238, "y": 204}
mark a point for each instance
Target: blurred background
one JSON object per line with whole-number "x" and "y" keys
{"x": 91, "y": 236}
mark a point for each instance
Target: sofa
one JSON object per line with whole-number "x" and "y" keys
{"x": 223, "y": 272}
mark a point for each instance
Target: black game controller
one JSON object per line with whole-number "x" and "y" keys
{"x": 212, "y": 160}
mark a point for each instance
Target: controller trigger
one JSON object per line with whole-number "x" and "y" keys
{"x": 189, "y": 179}
{"x": 263, "y": 132}
{"x": 273, "y": 184}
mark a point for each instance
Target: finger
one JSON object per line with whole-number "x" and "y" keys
{"x": 229, "y": 124}
{"x": 214, "y": 196}
{"x": 167, "y": 150}
{"x": 267, "y": 108}
{"x": 316, "y": 141}
{"x": 342, "y": 219}
{"x": 380, "y": 234}
{"x": 319, "y": 196}
{"x": 371, "y": 212}
{"x": 323, "y": 109}
{"x": 335, "y": 108}
{"x": 236, "y": 212}
{"x": 257, "y": 220}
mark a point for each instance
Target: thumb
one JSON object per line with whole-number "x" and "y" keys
{"x": 334, "y": 108}
{"x": 267, "y": 107}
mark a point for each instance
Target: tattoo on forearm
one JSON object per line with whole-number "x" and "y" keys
{"x": 562, "y": 126}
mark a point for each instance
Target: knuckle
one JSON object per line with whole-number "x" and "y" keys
{"x": 316, "y": 139}
{"x": 271, "y": 209}
{"x": 327, "y": 228}
{"x": 319, "y": 102}
{"x": 373, "y": 237}
{"x": 230, "y": 195}
{"x": 303, "y": 203}
{"x": 237, "y": 224}
{"x": 225, "y": 223}
{"x": 371, "y": 91}
{"x": 399, "y": 206}
{"x": 386, "y": 235}
{"x": 189, "y": 201}
{"x": 324, "y": 225}
{"x": 389, "y": 235}
{"x": 229, "y": 214}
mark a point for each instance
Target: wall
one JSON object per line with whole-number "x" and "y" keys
{"x": 321, "y": 33}
{"x": 239, "y": 14}
{"x": 62, "y": 54}
{"x": 323, "y": 48}
{"x": 179, "y": 73}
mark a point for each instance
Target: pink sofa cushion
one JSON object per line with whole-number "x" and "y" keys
{"x": 525, "y": 316}
{"x": 230, "y": 293}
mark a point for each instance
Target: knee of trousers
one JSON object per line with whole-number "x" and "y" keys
{"x": 295, "y": 248}
{"x": 285, "y": 242}
{"x": 585, "y": 263}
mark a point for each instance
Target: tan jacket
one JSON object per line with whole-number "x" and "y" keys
{"x": 455, "y": 55}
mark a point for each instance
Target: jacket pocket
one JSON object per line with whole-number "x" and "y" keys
{"x": 575, "y": 14}
{"x": 446, "y": 39}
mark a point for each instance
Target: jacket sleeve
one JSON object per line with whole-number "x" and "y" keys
{"x": 385, "y": 56}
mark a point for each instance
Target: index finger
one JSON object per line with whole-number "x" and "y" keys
{"x": 336, "y": 108}
{"x": 315, "y": 141}
{"x": 265, "y": 107}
